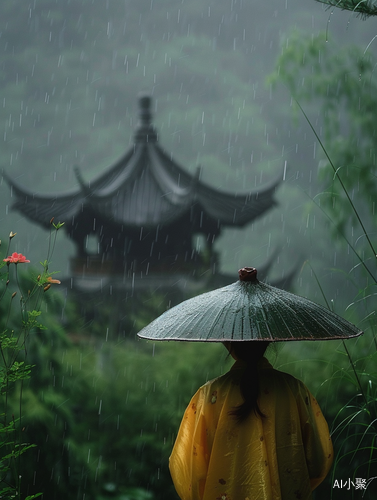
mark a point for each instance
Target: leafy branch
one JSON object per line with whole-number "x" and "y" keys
{"x": 363, "y": 8}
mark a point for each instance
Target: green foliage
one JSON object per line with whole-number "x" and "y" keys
{"x": 16, "y": 328}
{"x": 354, "y": 427}
{"x": 136, "y": 393}
{"x": 341, "y": 80}
{"x": 364, "y": 8}
{"x": 124, "y": 493}
{"x": 103, "y": 412}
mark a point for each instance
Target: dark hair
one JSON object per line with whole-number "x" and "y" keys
{"x": 250, "y": 352}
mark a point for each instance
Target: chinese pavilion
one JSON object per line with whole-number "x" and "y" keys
{"x": 142, "y": 216}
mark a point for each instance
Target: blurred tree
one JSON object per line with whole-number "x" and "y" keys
{"x": 136, "y": 394}
{"x": 341, "y": 82}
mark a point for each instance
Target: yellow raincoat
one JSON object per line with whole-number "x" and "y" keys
{"x": 283, "y": 456}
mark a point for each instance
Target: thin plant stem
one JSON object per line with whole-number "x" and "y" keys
{"x": 6, "y": 283}
{"x": 18, "y": 479}
{"x": 355, "y": 373}
{"x": 362, "y": 262}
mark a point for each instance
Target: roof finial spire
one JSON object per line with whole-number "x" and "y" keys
{"x": 145, "y": 101}
{"x": 145, "y": 131}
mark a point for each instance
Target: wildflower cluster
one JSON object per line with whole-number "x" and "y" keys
{"x": 15, "y": 330}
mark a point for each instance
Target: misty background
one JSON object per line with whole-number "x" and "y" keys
{"x": 70, "y": 76}
{"x": 71, "y": 73}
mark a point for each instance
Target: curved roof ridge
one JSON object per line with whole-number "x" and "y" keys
{"x": 174, "y": 192}
{"x": 23, "y": 191}
{"x": 263, "y": 189}
{"x": 238, "y": 208}
{"x": 124, "y": 176}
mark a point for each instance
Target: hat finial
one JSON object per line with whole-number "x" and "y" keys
{"x": 248, "y": 274}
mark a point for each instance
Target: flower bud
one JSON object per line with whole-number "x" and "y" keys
{"x": 12, "y": 235}
{"x": 51, "y": 280}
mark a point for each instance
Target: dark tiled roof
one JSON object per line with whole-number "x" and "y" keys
{"x": 145, "y": 187}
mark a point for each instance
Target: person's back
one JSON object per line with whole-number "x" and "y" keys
{"x": 283, "y": 454}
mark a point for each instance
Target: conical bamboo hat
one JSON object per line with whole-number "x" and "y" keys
{"x": 248, "y": 310}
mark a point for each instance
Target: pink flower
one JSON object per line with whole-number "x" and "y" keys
{"x": 16, "y": 258}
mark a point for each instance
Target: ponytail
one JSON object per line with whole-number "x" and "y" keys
{"x": 250, "y": 353}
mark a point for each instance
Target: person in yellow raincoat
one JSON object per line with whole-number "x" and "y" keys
{"x": 254, "y": 433}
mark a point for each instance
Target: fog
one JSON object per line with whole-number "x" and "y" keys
{"x": 71, "y": 76}
{"x": 72, "y": 72}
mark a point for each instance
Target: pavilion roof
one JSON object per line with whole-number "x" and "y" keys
{"x": 145, "y": 187}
